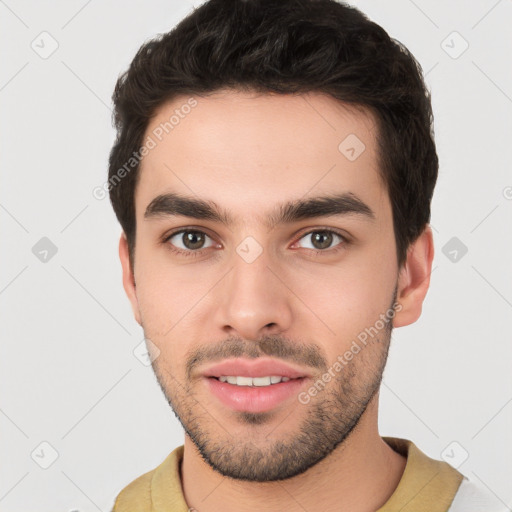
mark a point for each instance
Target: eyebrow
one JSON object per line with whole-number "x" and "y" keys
{"x": 347, "y": 203}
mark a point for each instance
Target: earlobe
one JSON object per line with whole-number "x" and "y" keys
{"x": 128, "y": 277}
{"x": 414, "y": 279}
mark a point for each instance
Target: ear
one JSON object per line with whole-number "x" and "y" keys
{"x": 414, "y": 279}
{"x": 128, "y": 277}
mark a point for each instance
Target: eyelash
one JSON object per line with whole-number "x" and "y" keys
{"x": 191, "y": 253}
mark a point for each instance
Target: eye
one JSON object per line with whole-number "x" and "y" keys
{"x": 322, "y": 239}
{"x": 188, "y": 240}
{"x": 191, "y": 242}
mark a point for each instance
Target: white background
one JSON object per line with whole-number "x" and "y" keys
{"x": 68, "y": 375}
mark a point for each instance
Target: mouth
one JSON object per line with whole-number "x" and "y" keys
{"x": 254, "y": 386}
{"x": 252, "y": 381}
{"x": 260, "y": 368}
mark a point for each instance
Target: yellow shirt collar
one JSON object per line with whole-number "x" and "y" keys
{"x": 427, "y": 485}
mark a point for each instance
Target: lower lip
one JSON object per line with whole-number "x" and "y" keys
{"x": 254, "y": 398}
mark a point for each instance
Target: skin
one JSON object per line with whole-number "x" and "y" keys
{"x": 250, "y": 152}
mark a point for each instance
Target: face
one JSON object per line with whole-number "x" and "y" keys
{"x": 266, "y": 305}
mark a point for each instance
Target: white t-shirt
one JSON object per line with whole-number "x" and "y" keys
{"x": 471, "y": 497}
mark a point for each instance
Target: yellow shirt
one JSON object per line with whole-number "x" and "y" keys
{"x": 427, "y": 485}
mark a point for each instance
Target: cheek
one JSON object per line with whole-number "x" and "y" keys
{"x": 166, "y": 296}
{"x": 345, "y": 299}
{"x": 173, "y": 302}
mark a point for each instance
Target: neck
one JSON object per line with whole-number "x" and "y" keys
{"x": 358, "y": 476}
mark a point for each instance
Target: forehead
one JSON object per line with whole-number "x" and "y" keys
{"x": 248, "y": 150}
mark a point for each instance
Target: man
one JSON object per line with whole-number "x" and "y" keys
{"x": 273, "y": 174}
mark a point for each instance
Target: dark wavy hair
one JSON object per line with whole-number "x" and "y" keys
{"x": 286, "y": 47}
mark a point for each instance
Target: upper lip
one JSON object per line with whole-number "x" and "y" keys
{"x": 261, "y": 367}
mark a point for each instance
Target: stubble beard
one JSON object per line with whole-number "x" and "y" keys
{"x": 331, "y": 416}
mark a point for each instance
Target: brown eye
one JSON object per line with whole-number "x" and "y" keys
{"x": 188, "y": 240}
{"x": 322, "y": 239}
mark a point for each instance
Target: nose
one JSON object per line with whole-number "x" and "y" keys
{"x": 253, "y": 299}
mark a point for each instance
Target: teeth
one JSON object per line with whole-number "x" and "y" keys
{"x": 261, "y": 381}
{"x": 244, "y": 381}
{"x": 250, "y": 381}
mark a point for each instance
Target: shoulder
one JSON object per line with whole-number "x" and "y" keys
{"x": 161, "y": 485}
{"x": 136, "y": 495}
